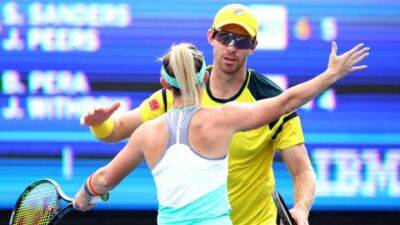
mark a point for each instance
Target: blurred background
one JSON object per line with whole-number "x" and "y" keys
{"x": 60, "y": 58}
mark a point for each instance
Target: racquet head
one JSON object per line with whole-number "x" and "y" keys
{"x": 38, "y": 203}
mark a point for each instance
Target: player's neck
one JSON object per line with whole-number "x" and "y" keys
{"x": 179, "y": 101}
{"x": 223, "y": 85}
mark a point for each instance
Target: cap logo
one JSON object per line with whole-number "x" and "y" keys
{"x": 238, "y": 11}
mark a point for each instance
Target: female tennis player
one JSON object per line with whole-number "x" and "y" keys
{"x": 186, "y": 148}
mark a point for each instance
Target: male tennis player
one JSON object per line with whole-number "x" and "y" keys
{"x": 188, "y": 158}
{"x": 233, "y": 37}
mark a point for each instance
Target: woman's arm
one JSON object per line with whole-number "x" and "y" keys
{"x": 109, "y": 176}
{"x": 247, "y": 116}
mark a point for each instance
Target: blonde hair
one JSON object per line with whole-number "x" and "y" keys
{"x": 183, "y": 61}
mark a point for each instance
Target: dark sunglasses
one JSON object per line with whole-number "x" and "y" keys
{"x": 239, "y": 41}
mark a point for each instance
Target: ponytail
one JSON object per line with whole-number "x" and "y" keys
{"x": 180, "y": 66}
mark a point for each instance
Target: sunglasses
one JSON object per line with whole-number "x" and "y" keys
{"x": 239, "y": 41}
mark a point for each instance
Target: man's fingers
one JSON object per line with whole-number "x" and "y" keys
{"x": 82, "y": 120}
{"x": 98, "y": 112}
{"x": 113, "y": 107}
{"x": 105, "y": 110}
{"x": 97, "y": 108}
{"x": 334, "y": 48}
{"x": 91, "y": 112}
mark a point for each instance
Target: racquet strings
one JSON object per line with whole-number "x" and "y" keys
{"x": 37, "y": 206}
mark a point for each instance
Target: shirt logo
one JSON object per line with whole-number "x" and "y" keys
{"x": 154, "y": 105}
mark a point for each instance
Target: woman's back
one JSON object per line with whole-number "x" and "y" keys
{"x": 191, "y": 185}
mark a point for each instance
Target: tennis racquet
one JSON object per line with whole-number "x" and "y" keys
{"x": 44, "y": 203}
{"x": 283, "y": 210}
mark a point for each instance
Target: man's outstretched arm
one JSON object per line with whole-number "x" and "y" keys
{"x": 111, "y": 129}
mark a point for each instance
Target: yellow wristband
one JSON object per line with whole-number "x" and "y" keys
{"x": 104, "y": 129}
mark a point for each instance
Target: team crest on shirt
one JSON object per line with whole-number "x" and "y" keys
{"x": 154, "y": 105}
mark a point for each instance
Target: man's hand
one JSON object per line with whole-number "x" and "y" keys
{"x": 299, "y": 215}
{"x": 304, "y": 179}
{"x": 98, "y": 115}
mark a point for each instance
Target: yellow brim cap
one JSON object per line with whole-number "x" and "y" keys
{"x": 248, "y": 28}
